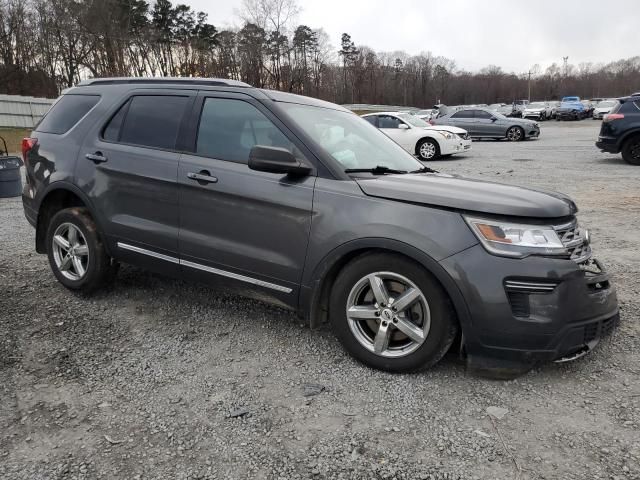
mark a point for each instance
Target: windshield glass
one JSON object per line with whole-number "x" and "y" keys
{"x": 607, "y": 103}
{"x": 413, "y": 120}
{"x": 349, "y": 139}
{"x": 536, "y": 105}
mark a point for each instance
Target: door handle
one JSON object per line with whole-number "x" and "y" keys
{"x": 203, "y": 177}
{"x": 96, "y": 157}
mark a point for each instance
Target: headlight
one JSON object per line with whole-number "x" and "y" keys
{"x": 447, "y": 135}
{"x": 516, "y": 240}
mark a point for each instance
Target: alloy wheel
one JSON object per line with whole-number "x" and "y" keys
{"x": 427, "y": 150}
{"x": 70, "y": 251}
{"x": 514, "y": 134}
{"x": 388, "y": 314}
{"x": 635, "y": 150}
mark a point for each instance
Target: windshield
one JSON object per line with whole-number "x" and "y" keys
{"x": 607, "y": 103}
{"x": 349, "y": 139}
{"x": 413, "y": 120}
{"x": 536, "y": 105}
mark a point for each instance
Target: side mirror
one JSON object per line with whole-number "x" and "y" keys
{"x": 493, "y": 119}
{"x": 403, "y": 126}
{"x": 276, "y": 160}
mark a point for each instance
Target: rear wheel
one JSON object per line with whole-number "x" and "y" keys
{"x": 631, "y": 150}
{"x": 515, "y": 134}
{"x": 428, "y": 149}
{"x": 76, "y": 254}
{"x": 391, "y": 314}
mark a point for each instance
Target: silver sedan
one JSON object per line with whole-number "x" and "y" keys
{"x": 484, "y": 123}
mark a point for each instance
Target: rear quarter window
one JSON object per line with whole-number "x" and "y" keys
{"x": 66, "y": 113}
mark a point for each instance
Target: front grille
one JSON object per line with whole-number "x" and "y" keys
{"x": 465, "y": 136}
{"x": 572, "y": 238}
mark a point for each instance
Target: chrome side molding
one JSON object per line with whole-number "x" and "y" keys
{"x": 205, "y": 268}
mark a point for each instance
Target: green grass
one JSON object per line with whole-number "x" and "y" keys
{"x": 13, "y": 137}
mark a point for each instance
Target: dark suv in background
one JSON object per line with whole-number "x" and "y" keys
{"x": 620, "y": 130}
{"x": 307, "y": 205}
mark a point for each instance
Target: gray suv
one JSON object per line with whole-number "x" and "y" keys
{"x": 307, "y": 205}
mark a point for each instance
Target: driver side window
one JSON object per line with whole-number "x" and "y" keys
{"x": 386, "y": 121}
{"x": 483, "y": 115}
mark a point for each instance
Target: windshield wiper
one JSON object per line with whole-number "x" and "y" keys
{"x": 378, "y": 170}
{"x": 425, "y": 170}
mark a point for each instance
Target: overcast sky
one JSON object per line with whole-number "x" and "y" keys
{"x": 514, "y": 34}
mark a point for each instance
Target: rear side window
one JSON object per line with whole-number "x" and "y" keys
{"x": 463, "y": 114}
{"x": 66, "y": 113}
{"x": 148, "y": 121}
{"x": 372, "y": 120}
{"x": 482, "y": 114}
{"x": 229, "y": 129}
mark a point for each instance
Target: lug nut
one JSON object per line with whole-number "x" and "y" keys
{"x": 384, "y": 324}
{"x": 395, "y": 320}
{"x": 377, "y": 314}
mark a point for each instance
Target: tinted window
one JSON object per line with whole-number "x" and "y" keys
{"x": 463, "y": 114}
{"x": 385, "y": 121}
{"x": 482, "y": 114}
{"x": 112, "y": 132}
{"x": 149, "y": 121}
{"x": 372, "y": 120}
{"x": 229, "y": 129}
{"x": 66, "y": 112}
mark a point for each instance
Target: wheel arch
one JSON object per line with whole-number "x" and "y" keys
{"x": 57, "y": 196}
{"x": 630, "y": 134}
{"x": 314, "y": 300}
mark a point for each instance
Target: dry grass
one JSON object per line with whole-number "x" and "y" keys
{"x": 13, "y": 137}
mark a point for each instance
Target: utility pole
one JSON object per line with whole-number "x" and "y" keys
{"x": 529, "y": 86}
{"x": 565, "y": 63}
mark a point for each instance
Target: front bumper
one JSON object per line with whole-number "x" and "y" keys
{"x": 569, "y": 114}
{"x": 509, "y": 332}
{"x": 451, "y": 147}
{"x": 532, "y": 132}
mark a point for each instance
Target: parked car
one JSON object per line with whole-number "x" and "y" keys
{"x": 482, "y": 123}
{"x": 418, "y": 137}
{"x": 426, "y": 114}
{"x": 508, "y": 110}
{"x": 555, "y": 105}
{"x": 307, "y": 205}
{"x": 538, "y": 110}
{"x": 602, "y": 108}
{"x": 588, "y": 108}
{"x": 620, "y": 130}
{"x": 571, "y": 109}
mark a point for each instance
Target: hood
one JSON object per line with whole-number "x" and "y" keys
{"x": 571, "y": 106}
{"x": 534, "y": 109}
{"x": 603, "y": 109}
{"x": 447, "y": 128}
{"x": 468, "y": 194}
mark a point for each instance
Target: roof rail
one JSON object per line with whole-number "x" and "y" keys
{"x": 216, "y": 82}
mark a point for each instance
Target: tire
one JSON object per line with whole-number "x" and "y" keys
{"x": 428, "y": 149}
{"x": 631, "y": 150}
{"x": 85, "y": 266}
{"x": 515, "y": 134}
{"x": 431, "y": 314}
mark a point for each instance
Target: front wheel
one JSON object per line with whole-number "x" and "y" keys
{"x": 428, "y": 149}
{"x": 76, "y": 254}
{"x": 631, "y": 150}
{"x": 391, "y": 314}
{"x": 515, "y": 134}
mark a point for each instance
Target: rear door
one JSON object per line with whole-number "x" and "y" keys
{"x": 240, "y": 225}
{"x": 128, "y": 167}
{"x": 464, "y": 119}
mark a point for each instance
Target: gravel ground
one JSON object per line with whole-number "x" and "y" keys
{"x": 157, "y": 378}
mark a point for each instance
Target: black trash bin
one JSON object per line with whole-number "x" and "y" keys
{"x": 10, "y": 177}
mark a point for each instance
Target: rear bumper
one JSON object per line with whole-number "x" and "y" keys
{"x": 510, "y": 331}
{"x": 570, "y": 115}
{"x": 608, "y": 144}
{"x": 30, "y": 211}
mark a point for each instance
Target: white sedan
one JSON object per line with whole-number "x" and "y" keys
{"x": 416, "y": 136}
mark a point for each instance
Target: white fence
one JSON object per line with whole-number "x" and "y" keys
{"x": 25, "y": 112}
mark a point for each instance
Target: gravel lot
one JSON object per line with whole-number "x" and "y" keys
{"x": 142, "y": 381}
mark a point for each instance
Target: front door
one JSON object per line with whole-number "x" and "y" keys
{"x": 128, "y": 169}
{"x": 236, "y": 224}
{"x": 398, "y": 131}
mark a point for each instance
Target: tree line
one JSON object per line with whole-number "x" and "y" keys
{"x": 49, "y": 45}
